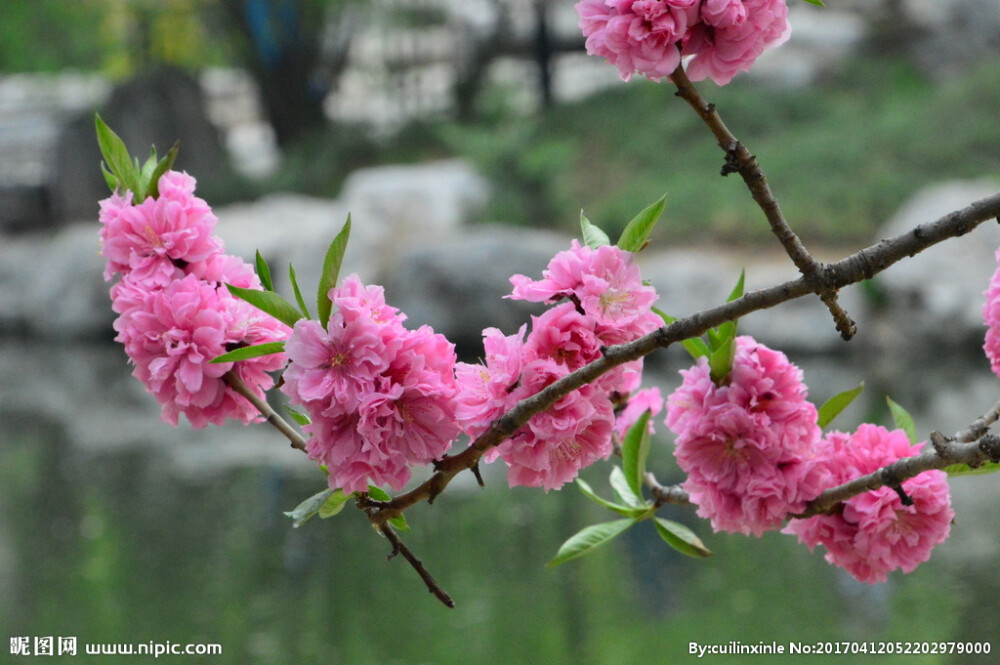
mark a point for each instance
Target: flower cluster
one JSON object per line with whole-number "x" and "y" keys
{"x": 174, "y": 312}
{"x": 650, "y": 37}
{"x": 380, "y": 397}
{"x": 597, "y": 299}
{"x": 746, "y": 445}
{"x": 991, "y": 316}
{"x": 754, "y": 455}
{"x": 875, "y": 533}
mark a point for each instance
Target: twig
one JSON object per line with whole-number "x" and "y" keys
{"x": 855, "y": 268}
{"x": 740, "y": 160}
{"x": 234, "y": 381}
{"x": 398, "y": 547}
{"x": 663, "y": 495}
{"x": 972, "y": 446}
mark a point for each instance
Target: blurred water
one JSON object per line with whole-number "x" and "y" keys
{"x": 117, "y": 528}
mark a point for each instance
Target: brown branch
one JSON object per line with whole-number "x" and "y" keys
{"x": 740, "y": 160}
{"x": 663, "y": 495}
{"x": 234, "y": 381}
{"x": 398, "y": 547}
{"x": 855, "y": 268}
{"x": 973, "y": 446}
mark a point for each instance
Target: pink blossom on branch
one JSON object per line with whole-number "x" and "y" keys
{"x": 650, "y": 37}
{"x": 381, "y": 398}
{"x": 747, "y": 445}
{"x": 874, "y": 533}
{"x": 172, "y": 333}
{"x": 991, "y": 317}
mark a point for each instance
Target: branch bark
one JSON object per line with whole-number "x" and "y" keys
{"x": 740, "y": 160}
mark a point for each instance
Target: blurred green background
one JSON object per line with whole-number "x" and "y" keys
{"x": 115, "y": 544}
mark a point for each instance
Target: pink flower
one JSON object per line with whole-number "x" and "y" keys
{"x": 731, "y": 36}
{"x": 637, "y": 35}
{"x": 382, "y": 398}
{"x": 484, "y": 390}
{"x": 552, "y": 448}
{"x": 991, "y": 316}
{"x": 746, "y": 445}
{"x": 875, "y": 533}
{"x": 604, "y": 283}
{"x": 642, "y": 401}
{"x": 159, "y": 234}
{"x": 171, "y": 334}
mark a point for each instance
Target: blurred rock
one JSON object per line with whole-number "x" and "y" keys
{"x": 938, "y": 294}
{"x": 158, "y": 108}
{"x": 456, "y": 285}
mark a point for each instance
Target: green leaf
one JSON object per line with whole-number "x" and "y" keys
{"x": 117, "y": 159}
{"x": 635, "y": 450}
{"x": 264, "y": 272}
{"x": 966, "y": 470}
{"x": 593, "y": 236}
{"x": 298, "y": 293}
{"x": 626, "y": 511}
{"x": 589, "y": 539}
{"x": 621, "y": 486}
{"x": 727, "y": 330}
{"x": 721, "y": 361}
{"x": 333, "y": 504}
{"x": 832, "y": 407}
{"x": 309, "y": 507}
{"x": 162, "y": 166}
{"x": 903, "y": 420}
{"x": 635, "y": 236}
{"x": 818, "y": 3}
{"x": 268, "y": 302}
{"x": 247, "y": 352}
{"x": 693, "y": 345}
{"x": 681, "y": 538}
{"x": 380, "y": 494}
{"x": 331, "y": 272}
{"x": 301, "y": 418}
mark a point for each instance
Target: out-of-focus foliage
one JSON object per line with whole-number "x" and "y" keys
{"x": 116, "y": 37}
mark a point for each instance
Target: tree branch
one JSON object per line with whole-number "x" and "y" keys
{"x": 855, "y": 268}
{"x": 398, "y": 547}
{"x": 973, "y": 446}
{"x": 234, "y": 381}
{"x": 740, "y": 160}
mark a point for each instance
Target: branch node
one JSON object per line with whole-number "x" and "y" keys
{"x": 939, "y": 441}
{"x": 478, "y": 474}
{"x": 990, "y": 446}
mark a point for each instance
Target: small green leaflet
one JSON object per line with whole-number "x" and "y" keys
{"x": 331, "y": 272}
{"x": 153, "y": 169}
{"x": 298, "y": 293}
{"x": 620, "y": 484}
{"x": 818, "y": 3}
{"x": 264, "y": 272}
{"x": 247, "y": 352}
{"x": 301, "y": 418}
{"x": 681, "y": 538}
{"x": 721, "y": 360}
{"x": 966, "y": 470}
{"x": 625, "y": 511}
{"x": 635, "y": 236}
{"x": 593, "y": 236}
{"x": 903, "y": 420}
{"x": 326, "y": 504}
{"x": 589, "y": 539}
{"x": 635, "y": 450}
{"x": 380, "y": 494}
{"x": 268, "y": 302}
{"x": 832, "y": 407}
{"x": 118, "y": 164}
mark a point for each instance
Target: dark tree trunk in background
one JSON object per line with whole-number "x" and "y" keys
{"x": 284, "y": 56}
{"x": 543, "y": 52}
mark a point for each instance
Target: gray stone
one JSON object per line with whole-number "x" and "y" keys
{"x": 939, "y": 292}
{"x": 158, "y": 108}
{"x": 457, "y": 286}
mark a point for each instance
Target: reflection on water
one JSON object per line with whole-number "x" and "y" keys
{"x": 116, "y": 528}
